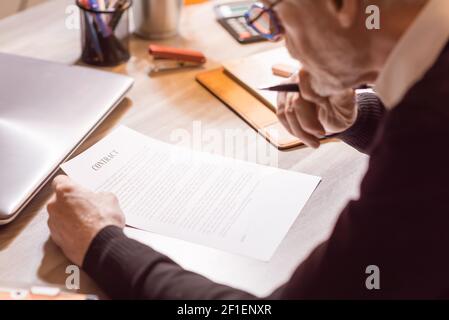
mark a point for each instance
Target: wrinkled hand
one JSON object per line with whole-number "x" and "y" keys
{"x": 77, "y": 215}
{"x": 309, "y": 116}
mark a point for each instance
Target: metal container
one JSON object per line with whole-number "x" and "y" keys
{"x": 157, "y": 19}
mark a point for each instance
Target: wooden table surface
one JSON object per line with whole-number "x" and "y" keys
{"x": 159, "y": 107}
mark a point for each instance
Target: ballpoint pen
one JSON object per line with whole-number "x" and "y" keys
{"x": 294, "y": 87}
{"x": 288, "y": 87}
{"x": 119, "y": 7}
{"x": 104, "y": 28}
{"x": 92, "y": 36}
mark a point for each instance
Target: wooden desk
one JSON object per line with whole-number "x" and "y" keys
{"x": 157, "y": 106}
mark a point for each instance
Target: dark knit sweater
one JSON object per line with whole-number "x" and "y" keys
{"x": 400, "y": 223}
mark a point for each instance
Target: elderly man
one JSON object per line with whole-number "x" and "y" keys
{"x": 401, "y": 221}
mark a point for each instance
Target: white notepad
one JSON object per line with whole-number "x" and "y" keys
{"x": 255, "y": 72}
{"x": 223, "y": 203}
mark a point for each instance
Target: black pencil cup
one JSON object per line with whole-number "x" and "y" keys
{"x": 105, "y": 34}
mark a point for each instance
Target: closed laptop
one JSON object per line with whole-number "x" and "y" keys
{"x": 46, "y": 111}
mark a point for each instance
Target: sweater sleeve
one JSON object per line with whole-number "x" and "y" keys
{"x": 361, "y": 135}
{"x": 127, "y": 269}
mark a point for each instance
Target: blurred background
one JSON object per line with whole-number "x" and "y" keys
{"x": 10, "y": 7}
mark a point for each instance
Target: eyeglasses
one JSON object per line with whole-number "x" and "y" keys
{"x": 265, "y": 21}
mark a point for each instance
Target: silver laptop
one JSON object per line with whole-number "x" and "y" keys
{"x": 46, "y": 111}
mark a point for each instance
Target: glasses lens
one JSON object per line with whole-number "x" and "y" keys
{"x": 261, "y": 21}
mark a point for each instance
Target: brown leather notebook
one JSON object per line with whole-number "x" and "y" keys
{"x": 248, "y": 107}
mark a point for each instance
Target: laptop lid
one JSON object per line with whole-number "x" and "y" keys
{"x": 46, "y": 111}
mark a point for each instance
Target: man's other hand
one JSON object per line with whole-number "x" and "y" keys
{"x": 309, "y": 116}
{"x": 77, "y": 215}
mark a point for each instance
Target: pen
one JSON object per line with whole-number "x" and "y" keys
{"x": 104, "y": 29}
{"x": 288, "y": 87}
{"x": 294, "y": 87}
{"x": 92, "y": 36}
{"x": 119, "y": 8}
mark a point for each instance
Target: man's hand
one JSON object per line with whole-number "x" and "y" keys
{"x": 309, "y": 116}
{"x": 77, "y": 215}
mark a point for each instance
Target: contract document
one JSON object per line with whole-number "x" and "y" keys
{"x": 227, "y": 204}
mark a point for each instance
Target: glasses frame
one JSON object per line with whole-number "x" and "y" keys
{"x": 274, "y": 36}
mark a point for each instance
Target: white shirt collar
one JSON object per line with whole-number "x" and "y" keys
{"x": 416, "y": 52}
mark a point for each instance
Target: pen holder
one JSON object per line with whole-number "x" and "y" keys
{"x": 105, "y": 33}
